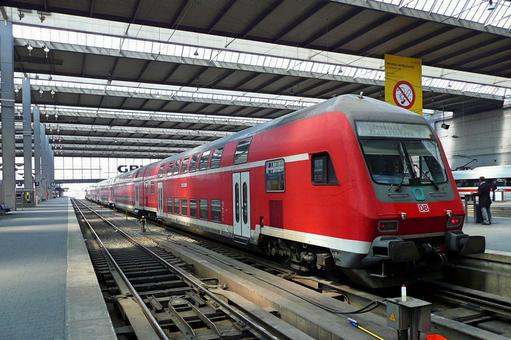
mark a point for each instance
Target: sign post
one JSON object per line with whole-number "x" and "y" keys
{"x": 403, "y": 82}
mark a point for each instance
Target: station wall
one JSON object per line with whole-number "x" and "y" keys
{"x": 484, "y": 136}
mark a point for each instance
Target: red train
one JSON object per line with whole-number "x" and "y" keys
{"x": 352, "y": 183}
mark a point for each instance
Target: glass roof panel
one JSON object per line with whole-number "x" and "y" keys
{"x": 490, "y": 13}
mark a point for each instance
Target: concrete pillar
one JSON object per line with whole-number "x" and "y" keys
{"x": 37, "y": 153}
{"x": 7, "y": 103}
{"x": 27, "y": 135}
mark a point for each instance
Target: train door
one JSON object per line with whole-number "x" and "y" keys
{"x": 160, "y": 199}
{"x": 241, "y": 204}
{"x": 137, "y": 195}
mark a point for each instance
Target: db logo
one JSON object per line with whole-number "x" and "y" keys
{"x": 423, "y": 207}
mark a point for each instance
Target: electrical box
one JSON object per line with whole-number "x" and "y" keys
{"x": 412, "y": 313}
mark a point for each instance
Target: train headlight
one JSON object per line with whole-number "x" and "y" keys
{"x": 388, "y": 226}
{"x": 454, "y": 221}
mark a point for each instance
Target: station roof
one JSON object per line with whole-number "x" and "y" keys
{"x": 225, "y": 64}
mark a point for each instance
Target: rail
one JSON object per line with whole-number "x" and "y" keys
{"x": 253, "y": 324}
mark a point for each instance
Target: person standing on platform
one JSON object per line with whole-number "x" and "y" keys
{"x": 143, "y": 223}
{"x": 483, "y": 191}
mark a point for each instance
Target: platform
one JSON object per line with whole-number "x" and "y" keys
{"x": 48, "y": 286}
{"x": 497, "y": 234}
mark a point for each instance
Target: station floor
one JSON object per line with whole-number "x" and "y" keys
{"x": 48, "y": 289}
{"x": 498, "y": 234}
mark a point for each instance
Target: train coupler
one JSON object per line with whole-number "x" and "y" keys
{"x": 459, "y": 242}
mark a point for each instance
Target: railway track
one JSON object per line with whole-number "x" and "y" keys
{"x": 458, "y": 311}
{"x": 175, "y": 303}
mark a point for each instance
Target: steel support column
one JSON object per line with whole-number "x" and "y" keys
{"x": 7, "y": 103}
{"x": 27, "y": 135}
{"x": 44, "y": 163}
{"x": 37, "y": 153}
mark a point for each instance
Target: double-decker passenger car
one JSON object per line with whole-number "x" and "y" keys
{"x": 499, "y": 175}
{"x": 352, "y": 182}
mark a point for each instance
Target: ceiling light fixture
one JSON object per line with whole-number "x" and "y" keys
{"x": 29, "y": 48}
{"x": 491, "y": 5}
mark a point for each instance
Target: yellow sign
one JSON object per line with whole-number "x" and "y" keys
{"x": 403, "y": 82}
{"x": 392, "y": 317}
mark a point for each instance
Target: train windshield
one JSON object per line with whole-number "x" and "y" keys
{"x": 404, "y": 162}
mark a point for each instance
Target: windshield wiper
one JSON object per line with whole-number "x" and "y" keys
{"x": 398, "y": 188}
{"x": 435, "y": 184}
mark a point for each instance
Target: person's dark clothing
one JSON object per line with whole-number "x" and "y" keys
{"x": 484, "y": 194}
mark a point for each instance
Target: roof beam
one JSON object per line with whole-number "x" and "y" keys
{"x": 221, "y": 58}
{"x": 98, "y": 87}
{"x": 76, "y": 128}
{"x": 430, "y": 16}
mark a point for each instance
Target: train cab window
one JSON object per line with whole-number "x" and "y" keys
{"x": 322, "y": 171}
{"x": 169, "y": 205}
{"x": 241, "y": 154}
{"x": 176, "y": 167}
{"x": 216, "y": 210}
{"x": 184, "y": 207}
{"x": 215, "y": 159}
{"x": 203, "y": 164}
{"x": 176, "y": 206}
{"x": 184, "y": 166}
{"x": 170, "y": 168}
{"x": 193, "y": 207}
{"x": 160, "y": 171}
{"x": 152, "y": 187}
{"x": 193, "y": 163}
{"x": 203, "y": 209}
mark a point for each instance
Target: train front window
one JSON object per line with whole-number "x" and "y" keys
{"x": 402, "y": 162}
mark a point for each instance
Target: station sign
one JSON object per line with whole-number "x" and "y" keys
{"x": 125, "y": 168}
{"x": 403, "y": 82}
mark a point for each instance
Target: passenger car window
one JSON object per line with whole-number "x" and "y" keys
{"x": 176, "y": 206}
{"x": 204, "y": 160}
{"x": 215, "y": 159}
{"x": 184, "y": 206}
{"x": 203, "y": 211}
{"x": 193, "y": 207}
{"x": 241, "y": 154}
{"x": 216, "y": 210}
{"x": 170, "y": 168}
{"x": 176, "y": 167}
{"x": 275, "y": 175}
{"x": 184, "y": 166}
{"x": 193, "y": 163}
{"x": 160, "y": 171}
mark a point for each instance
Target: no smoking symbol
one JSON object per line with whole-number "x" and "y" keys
{"x": 404, "y": 95}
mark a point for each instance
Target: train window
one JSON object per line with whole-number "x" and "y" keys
{"x": 184, "y": 166}
{"x": 193, "y": 208}
{"x": 275, "y": 176}
{"x": 193, "y": 163}
{"x": 169, "y": 205}
{"x": 152, "y": 187}
{"x": 216, "y": 210}
{"x": 170, "y": 168}
{"x": 203, "y": 209}
{"x": 176, "y": 167}
{"x": 215, "y": 159}
{"x": 323, "y": 172}
{"x": 203, "y": 164}
{"x": 176, "y": 206}
{"x": 184, "y": 207}
{"x": 160, "y": 171}
{"x": 241, "y": 154}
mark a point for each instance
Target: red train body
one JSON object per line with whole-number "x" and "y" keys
{"x": 353, "y": 182}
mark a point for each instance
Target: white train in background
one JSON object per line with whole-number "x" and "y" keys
{"x": 468, "y": 180}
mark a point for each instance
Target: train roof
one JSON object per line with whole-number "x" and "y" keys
{"x": 492, "y": 171}
{"x": 355, "y": 107}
